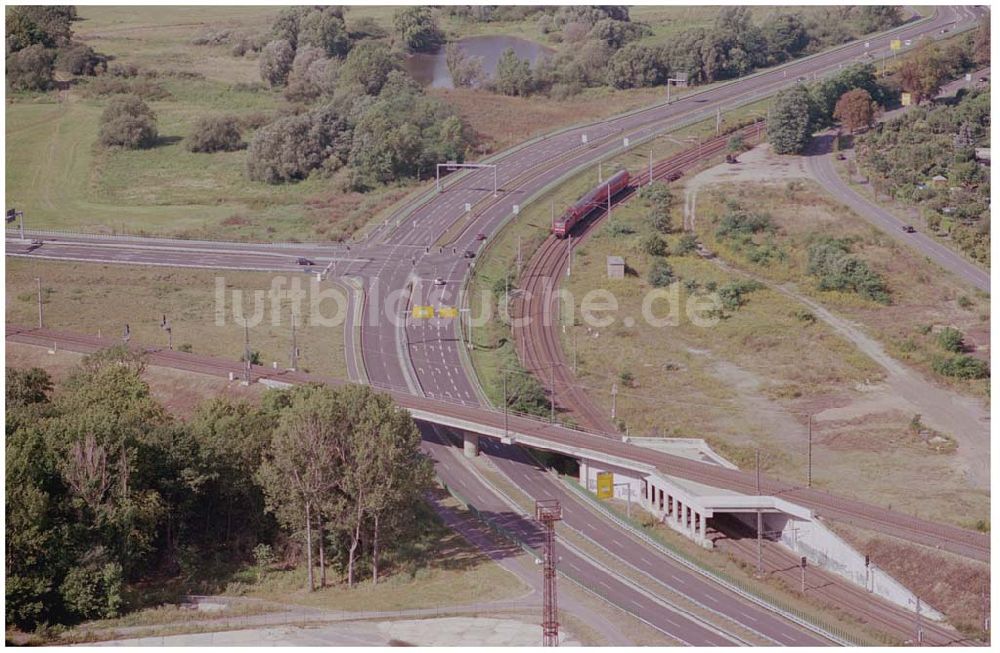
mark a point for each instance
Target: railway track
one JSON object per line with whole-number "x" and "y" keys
{"x": 951, "y": 538}
{"x": 541, "y": 353}
{"x": 538, "y": 339}
{"x": 739, "y": 540}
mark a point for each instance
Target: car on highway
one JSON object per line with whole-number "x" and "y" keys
{"x": 908, "y": 228}
{"x": 304, "y": 261}
{"x": 480, "y": 236}
{"x": 469, "y": 254}
{"x": 438, "y": 281}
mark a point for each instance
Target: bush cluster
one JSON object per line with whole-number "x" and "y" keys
{"x": 831, "y": 262}
{"x": 128, "y": 122}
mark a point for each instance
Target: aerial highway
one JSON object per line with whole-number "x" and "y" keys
{"x": 421, "y": 364}
{"x": 532, "y": 479}
{"x": 961, "y": 541}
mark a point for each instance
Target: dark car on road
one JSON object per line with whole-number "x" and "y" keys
{"x": 480, "y": 236}
{"x": 304, "y": 261}
{"x": 469, "y": 254}
{"x": 908, "y": 228}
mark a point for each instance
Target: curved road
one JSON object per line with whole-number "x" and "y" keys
{"x": 820, "y": 164}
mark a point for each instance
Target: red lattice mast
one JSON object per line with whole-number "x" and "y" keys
{"x": 549, "y": 512}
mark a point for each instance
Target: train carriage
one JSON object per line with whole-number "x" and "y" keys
{"x": 597, "y": 196}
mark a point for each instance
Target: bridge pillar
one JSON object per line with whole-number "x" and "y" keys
{"x": 470, "y": 445}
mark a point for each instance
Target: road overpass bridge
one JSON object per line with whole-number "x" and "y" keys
{"x": 683, "y": 493}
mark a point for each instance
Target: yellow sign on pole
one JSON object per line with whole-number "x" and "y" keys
{"x": 896, "y": 44}
{"x": 447, "y": 311}
{"x": 423, "y": 312}
{"x": 605, "y": 485}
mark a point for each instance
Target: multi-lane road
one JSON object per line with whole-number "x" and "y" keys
{"x": 399, "y": 262}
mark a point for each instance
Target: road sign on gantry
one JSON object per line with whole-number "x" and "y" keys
{"x": 896, "y": 44}
{"x": 605, "y": 485}
{"x": 447, "y": 311}
{"x": 423, "y": 312}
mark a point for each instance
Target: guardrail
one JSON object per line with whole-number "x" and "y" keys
{"x": 84, "y": 235}
{"x": 743, "y": 588}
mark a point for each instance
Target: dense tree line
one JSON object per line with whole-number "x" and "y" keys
{"x": 902, "y": 156}
{"x": 106, "y": 490}
{"x": 608, "y": 48}
{"x": 369, "y": 116}
{"x": 39, "y": 39}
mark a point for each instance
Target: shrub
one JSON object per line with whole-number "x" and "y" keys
{"x": 108, "y": 85}
{"x": 738, "y": 221}
{"x": 30, "y": 69}
{"x": 94, "y": 591}
{"x": 513, "y": 74}
{"x": 687, "y": 244}
{"x": 733, "y": 295}
{"x": 276, "y": 62}
{"x": 324, "y": 29}
{"x": 291, "y": 148}
{"x": 368, "y": 67}
{"x": 216, "y": 134}
{"x": 129, "y": 123}
{"x": 417, "y": 29}
{"x": 654, "y": 245}
{"x": 962, "y": 366}
{"x": 660, "y": 274}
{"x": 80, "y": 59}
{"x": 836, "y": 269}
{"x": 626, "y": 378}
{"x": 950, "y": 339}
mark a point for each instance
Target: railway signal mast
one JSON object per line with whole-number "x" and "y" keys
{"x": 549, "y": 512}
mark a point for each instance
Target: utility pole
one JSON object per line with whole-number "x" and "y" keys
{"x": 802, "y": 564}
{"x": 38, "y": 280}
{"x": 760, "y": 523}
{"x": 574, "y": 346}
{"x": 247, "y": 354}
{"x": 549, "y": 512}
{"x": 920, "y": 629}
{"x": 295, "y": 347}
{"x": 809, "y": 473}
{"x": 600, "y": 172}
{"x": 609, "y": 200}
{"x": 126, "y": 335}
{"x": 650, "y": 168}
{"x": 552, "y": 394}
{"x": 506, "y": 430}
{"x": 718, "y": 120}
{"x": 614, "y": 400}
{"x": 552, "y": 212}
{"x": 868, "y": 564}
{"x": 165, "y": 325}
{"x": 569, "y": 255}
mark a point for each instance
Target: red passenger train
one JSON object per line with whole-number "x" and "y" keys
{"x": 597, "y": 196}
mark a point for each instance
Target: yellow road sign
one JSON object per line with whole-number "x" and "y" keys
{"x": 447, "y": 311}
{"x": 896, "y": 44}
{"x": 423, "y": 312}
{"x": 605, "y": 485}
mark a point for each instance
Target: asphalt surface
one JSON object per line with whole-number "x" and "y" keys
{"x": 423, "y": 358}
{"x": 821, "y": 165}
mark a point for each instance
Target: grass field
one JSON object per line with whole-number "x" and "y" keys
{"x": 103, "y": 298}
{"x": 923, "y": 301}
{"x": 751, "y": 380}
{"x": 493, "y": 345}
{"x": 62, "y": 181}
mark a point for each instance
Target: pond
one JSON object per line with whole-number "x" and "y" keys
{"x": 432, "y": 70}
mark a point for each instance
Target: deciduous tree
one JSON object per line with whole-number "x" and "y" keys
{"x": 856, "y": 110}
